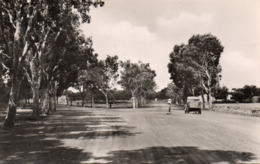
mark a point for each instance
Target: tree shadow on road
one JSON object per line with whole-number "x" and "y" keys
{"x": 177, "y": 155}
{"x": 41, "y": 141}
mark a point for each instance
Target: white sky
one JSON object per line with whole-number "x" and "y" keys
{"x": 147, "y": 30}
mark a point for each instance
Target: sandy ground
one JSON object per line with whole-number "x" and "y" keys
{"x": 249, "y": 109}
{"x": 148, "y": 135}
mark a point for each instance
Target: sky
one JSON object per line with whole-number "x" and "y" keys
{"x": 147, "y": 31}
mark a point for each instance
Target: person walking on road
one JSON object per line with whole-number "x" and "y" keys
{"x": 169, "y": 104}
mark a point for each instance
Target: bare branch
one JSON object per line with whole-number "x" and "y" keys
{"x": 5, "y": 66}
{"x": 55, "y": 40}
{"x": 28, "y": 77}
{"x": 57, "y": 66}
{"x": 201, "y": 67}
{"x": 2, "y": 31}
{"x": 2, "y": 53}
{"x": 58, "y": 34}
{"x": 10, "y": 17}
{"x": 26, "y": 49}
{"x": 42, "y": 47}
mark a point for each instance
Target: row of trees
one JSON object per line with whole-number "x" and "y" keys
{"x": 42, "y": 48}
{"x": 245, "y": 94}
{"x": 172, "y": 91}
{"x": 195, "y": 68}
{"x": 222, "y": 94}
{"x": 96, "y": 97}
{"x": 137, "y": 78}
{"x": 43, "y": 52}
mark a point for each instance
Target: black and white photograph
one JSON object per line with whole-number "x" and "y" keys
{"x": 129, "y": 82}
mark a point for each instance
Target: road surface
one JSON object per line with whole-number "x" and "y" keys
{"x": 148, "y": 135}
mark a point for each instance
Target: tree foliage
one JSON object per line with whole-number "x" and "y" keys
{"x": 221, "y": 93}
{"x": 245, "y": 94}
{"x": 174, "y": 93}
{"x": 195, "y": 66}
{"x": 26, "y": 29}
{"x": 103, "y": 76}
{"x": 138, "y": 78}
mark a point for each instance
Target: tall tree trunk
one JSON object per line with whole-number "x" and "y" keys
{"x": 11, "y": 109}
{"x": 45, "y": 103}
{"x": 67, "y": 99}
{"x": 55, "y": 99}
{"x": 210, "y": 98}
{"x": 133, "y": 99}
{"x": 35, "y": 107}
{"x": 133, "y": 102}
{"x": 54, "y": 102}
{"x": 83, "y": 99}
{"x": 35, "y": 88}
{"x": 92, "y": 101}
{"x": 16, "y": 82}
{"x": 51, "y": 95}
{"x": 203, "y": 101}
{"x": 106, "y": 97}
{"x": 107, "y": 105}
{"x": 209, "y": 93}
{"x": 49, "y": 101}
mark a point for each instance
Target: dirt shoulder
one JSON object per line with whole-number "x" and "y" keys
{"x": 248, "y": 109}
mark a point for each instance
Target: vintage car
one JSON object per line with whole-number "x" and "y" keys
{"x": 193, "y": 104}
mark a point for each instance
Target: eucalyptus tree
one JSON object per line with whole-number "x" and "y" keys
{"x": 104, "y": 75}
{"x": 201, "y": 58}
{"x": 182, "y": 73}
{"x": 138, "y": 78}
{"x": 244, "y": 94}
{"x": 26, "y": 26}
{"x": 221, "y": 92}
{"x": 174, "y": 92}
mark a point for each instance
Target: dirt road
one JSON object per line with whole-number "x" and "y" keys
{"x": 148, "y": 135}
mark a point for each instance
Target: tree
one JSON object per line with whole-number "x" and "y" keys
{"x": 244, "y": 94}
{"x": 201, "y": 58}
{"x": 104, "y": 75}
{"x": 122, "y": 95}
{"x": 237, "y": 94}
{"x": 138, "y": 78}
{"x": 162, "y": 94}
{"x": 174, "y": 92}
{"x": 19, "y": 23}
{"x": 258, "y": 92}
{"x": 249, "y": 91}
{"x": 221, "y": 93}
{"x": 182, "y": 74}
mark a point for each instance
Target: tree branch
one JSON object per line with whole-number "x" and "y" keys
{"x": 5, "y": 66}
{"x": 27, "y": 75}
{"x": 2, "y": 31}
{"x": 26, "y": 48}
{"x": 43, "y": 45}
{"x": 193, "y": 62}
{"x": 2, "y": 53}
{"x": 57, "y": 66}
{"x": 10, "y": 17}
